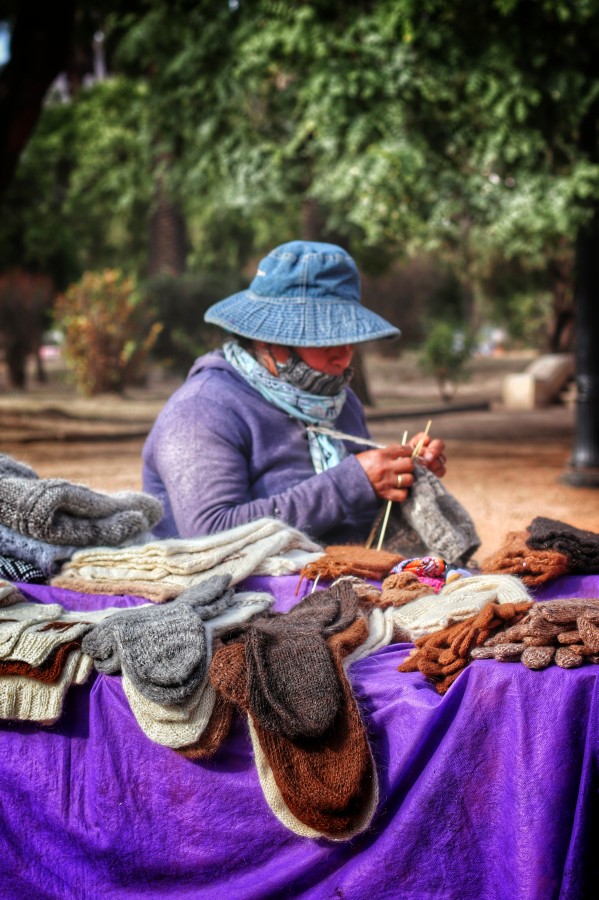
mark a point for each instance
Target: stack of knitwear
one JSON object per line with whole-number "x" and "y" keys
{"x": 350, "y": 560}
{"x": 457, "y": 601}
{"x": 40, "y": 514}
{"x": 581, "y": 548}
{"x": 564, "y": 632}
{"x": 431, "y": 521}
{"x": 442, "y": 655}
{"x": 285, "y": 672}
{"x": 164, "y": 652}
{"x": 534, "y": 567}
{"x": 40, "y": 657}
{"x": 161, "y": 570}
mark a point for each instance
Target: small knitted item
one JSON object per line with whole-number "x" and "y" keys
{"x": 47, "y": 557}
{"x": 381, "y": 633}
{"x": 457, "y": 601}
{"x": 15, "y": 619}
{"x": 41, "y": 640}
{"x": 443, "y": 655}
{"x": 580, "y": 546}
{"x": 443, "y": 527}
{"x": 402, "y": 588}
{"x": 18, "y": 570}
{"x": 350, "y": 560}
{"x": 423, "y": 566}
{"x": 48, "y": 671}
{"x": 29, "y": 699}
{"x": 328, "y": 783}
{"x": 59, "y": 512}
{"x": 534, "y": 567}
{"x": 9, "y": 594}
{"x": 162, "y": 650}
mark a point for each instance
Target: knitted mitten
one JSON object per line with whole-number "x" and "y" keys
{"x": 581, "y": 547}
{"x": 162, "y": 650}
{"x": 534, "y": 567}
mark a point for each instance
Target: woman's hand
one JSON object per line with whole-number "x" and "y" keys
{"x": 389, "y": 470}
{"x": 432, "y": 454}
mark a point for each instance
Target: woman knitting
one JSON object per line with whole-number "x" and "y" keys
{"x": 254, "y": 429}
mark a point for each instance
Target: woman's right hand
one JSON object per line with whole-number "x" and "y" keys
{"x": 389, "y": 470}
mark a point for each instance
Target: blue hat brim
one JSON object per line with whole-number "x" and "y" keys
{"x": 293, "y": 322}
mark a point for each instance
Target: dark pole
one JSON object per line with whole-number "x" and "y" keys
{"x": 583, "y": 468}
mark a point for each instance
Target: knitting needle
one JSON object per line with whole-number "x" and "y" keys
{"x": 389, "y": 502}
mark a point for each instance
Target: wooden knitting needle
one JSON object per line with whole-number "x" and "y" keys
{"x": 417, "y": 452}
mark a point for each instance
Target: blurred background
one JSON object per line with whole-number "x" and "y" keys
{"x": 151, "y": 152}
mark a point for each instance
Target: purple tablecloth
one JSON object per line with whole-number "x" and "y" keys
{"x": 487, "y": 792}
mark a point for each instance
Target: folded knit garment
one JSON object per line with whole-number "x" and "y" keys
{"x": 457, "y": 601}
{"x": 161, "y": 570}
{"x": 9, "y": 594}
{"x": 60, "y": 512}
{"x": 46, "y": 557}
{"x": 327, "y": 784}
{"x": 29, "y": 699}
{"x": 444, "y": 654}
{"x": 534, "y": 567}
{"x": 351, "y": 560}
{"x": 19, "y": 570}
{"x": 581, "y": 547}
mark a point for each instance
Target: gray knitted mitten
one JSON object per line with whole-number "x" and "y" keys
{"x": 162, "y": 649}
{"x": 293, "y": 684}
{"x": 59, "y": 512}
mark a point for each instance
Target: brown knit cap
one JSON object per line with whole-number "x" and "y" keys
{"x": 401, "y": 588}
{"x": 533, "y": 566}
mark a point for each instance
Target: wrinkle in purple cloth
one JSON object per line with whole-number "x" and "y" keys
{"x": 488, "y": 792}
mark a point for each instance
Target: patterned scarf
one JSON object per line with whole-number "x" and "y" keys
{"x": 314, "y": 409}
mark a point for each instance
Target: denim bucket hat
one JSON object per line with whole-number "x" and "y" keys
{"x": 304, "y": 294}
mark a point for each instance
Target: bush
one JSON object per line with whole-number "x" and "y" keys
{"x": 106, "y": 335}
{"x": 445, "y": 355}
{"x": 179, "y": 303}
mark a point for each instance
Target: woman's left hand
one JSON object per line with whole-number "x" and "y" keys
{"x": 432, "y": 454}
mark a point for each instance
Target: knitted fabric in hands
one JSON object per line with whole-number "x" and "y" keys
{"x": 162, "y": 650}
{"x": 161, "y": 570}
{"x": 442, "y": 525}
{"x": 328, "y": 783}
{"x": 59, "y": 512}
{"x": 351, "y": 560}
{"x": 457, "y": 601}
{"x": 581, "y": 547}
{"x": 534, "y": 567}
{"x": 441, "y": 656}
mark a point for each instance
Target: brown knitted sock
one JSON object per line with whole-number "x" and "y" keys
{"x": 401, "y": 588}
{"x": 215, "y": 732}
{"x": 532, "y": 566}
{"x": 326, "y": 782}
{"x": 351, "y": 560}
{"x": 49, "y": 671}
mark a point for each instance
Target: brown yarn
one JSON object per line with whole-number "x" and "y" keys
{"x": 49, "y": 671}
{"x": 401, "y": 588}
{"x": 442, "y": 655}
{"x": 351, "y": 560}
{"x": 533, "y": 566}
{"x": 214, "y": 734}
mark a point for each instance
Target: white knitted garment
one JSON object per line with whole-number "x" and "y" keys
{"x": 28, "y": 699}
{"x": 380, "y": 634}
{"x": 9, "y": 593}
{"x": 457, "y": 601}
{"x": 23, "y": 615}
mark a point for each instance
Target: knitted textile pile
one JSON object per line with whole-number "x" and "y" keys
{"x": 441, "y": 656}
{"x": 164, "y": 652}
{"x": 457, "y": 601}
{"x": 38, "y": 515}
{"x": 161, "y": 570}
{"x": 285, "y": 672}
{"x": 9, "y": 593}
{"x": 431, "y": 521}
{"x": 581, "y": 548}
{"x": 515, "y": 557}
{"x": 350, "y": 560}
{"x": 40, "y": 657}
{"x": 564, "y": 632}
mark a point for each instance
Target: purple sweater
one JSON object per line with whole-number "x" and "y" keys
{"x": 220, "y": 455}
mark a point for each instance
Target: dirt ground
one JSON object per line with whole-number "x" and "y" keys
{"x": 503, "y": 465}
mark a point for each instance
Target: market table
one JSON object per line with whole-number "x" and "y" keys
{"x": 487, "y": 792}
